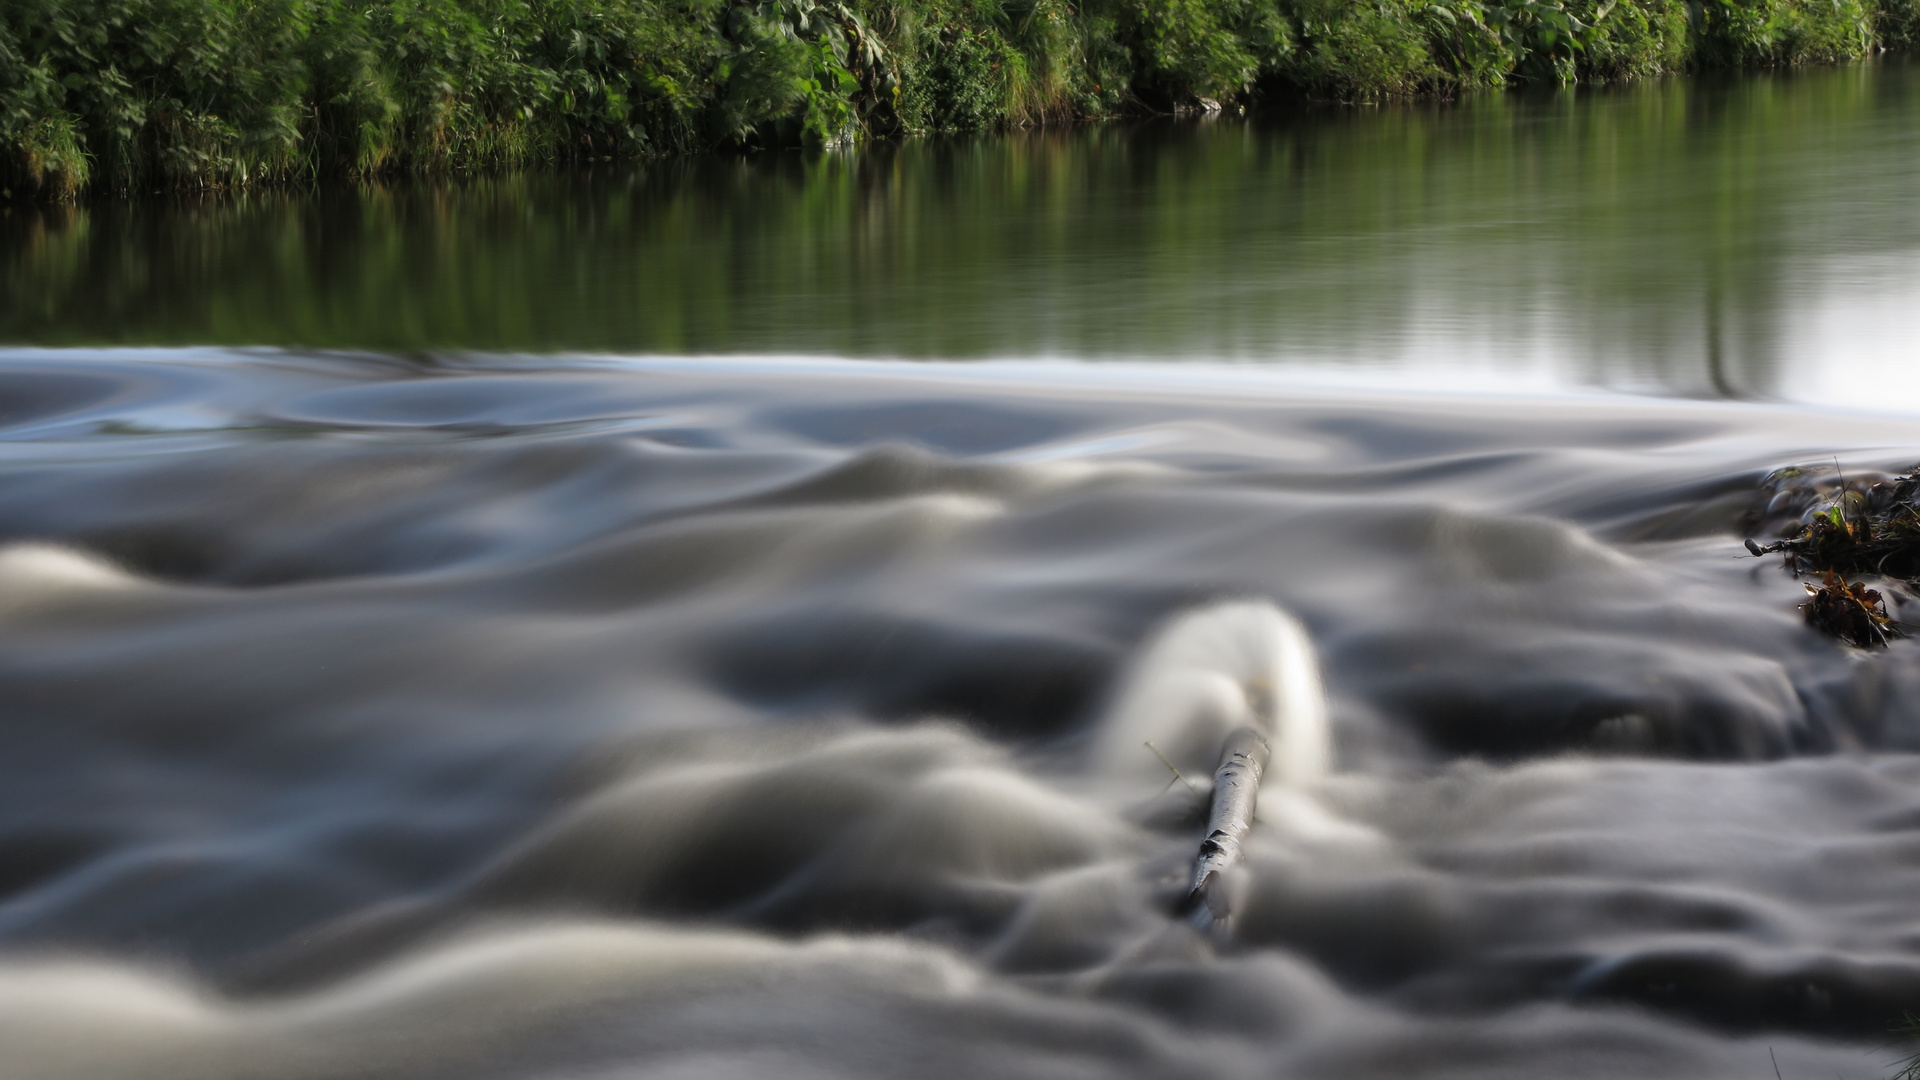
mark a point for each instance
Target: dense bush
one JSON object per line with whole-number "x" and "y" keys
{"x": 1785, "y": 31}
{"x": 122, "y": 94}
{"x": 1896, "y": 23}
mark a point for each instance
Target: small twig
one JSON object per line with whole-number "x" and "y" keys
{"x": 1236, "y": 795}
{"x": 1776, "y": 1063}
{"x": 1171, "y": 769}
{"x": 1843, "y": 489}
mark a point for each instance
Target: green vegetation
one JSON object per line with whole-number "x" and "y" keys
{"x": 123, "y": 94}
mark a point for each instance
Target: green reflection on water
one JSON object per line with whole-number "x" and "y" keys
{"x": 1676, "y": 234}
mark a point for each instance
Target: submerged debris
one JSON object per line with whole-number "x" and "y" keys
{"x": 1236, "y": 794}
{"x": 1853, "y": 613}
{"x": 1840, "y": 529}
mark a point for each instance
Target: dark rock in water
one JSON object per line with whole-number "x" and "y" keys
{"x": 1865, "y": 527}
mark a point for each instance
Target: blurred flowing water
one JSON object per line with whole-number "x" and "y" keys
{"x": 506, "y": 629}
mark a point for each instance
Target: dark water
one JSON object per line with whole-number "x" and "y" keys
{"x": 440, "y": 710}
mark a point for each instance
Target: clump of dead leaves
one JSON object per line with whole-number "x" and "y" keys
{"x": 1853, "y": 613}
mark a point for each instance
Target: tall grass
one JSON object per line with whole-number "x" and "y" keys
{"x": 118, "y": 95}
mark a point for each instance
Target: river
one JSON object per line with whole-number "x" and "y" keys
{"x": 703, "y": 618}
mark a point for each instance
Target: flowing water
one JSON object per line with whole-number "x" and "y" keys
{"x": 703, "y": 620}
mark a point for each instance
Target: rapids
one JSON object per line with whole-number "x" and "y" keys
{"x": 572, "y": 717}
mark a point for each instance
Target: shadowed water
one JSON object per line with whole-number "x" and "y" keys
{"x": 562, "y": 717}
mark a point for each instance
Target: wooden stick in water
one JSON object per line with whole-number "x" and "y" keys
{"x": 1236, "y": 793}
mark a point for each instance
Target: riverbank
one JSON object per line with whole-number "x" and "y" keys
{"x": 120, "y": 95}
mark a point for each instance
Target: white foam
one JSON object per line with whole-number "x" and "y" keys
{"x": 1207, "y": 672}
{"x": 36, "y": 575}
{"x": 74, "y": 1019}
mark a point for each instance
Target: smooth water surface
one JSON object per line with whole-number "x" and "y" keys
{"x": 1754, "y": 236}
